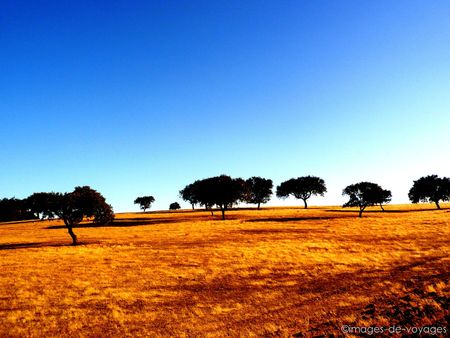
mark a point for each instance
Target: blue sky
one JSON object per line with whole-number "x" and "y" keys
{"x": 143, "y": 97}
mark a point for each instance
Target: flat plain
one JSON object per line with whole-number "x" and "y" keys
{"x": 269, "y": 272}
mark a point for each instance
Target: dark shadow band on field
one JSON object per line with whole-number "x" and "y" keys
{"x": 20, "y": 221}
{"x": 142, "y": 221}
{"x": 295, "y": 219}
{"x": 15, "y": 246}
{"x": 386, "y": 211}
{"x": 118, "y": 223}
{"x": 280, "y": 231}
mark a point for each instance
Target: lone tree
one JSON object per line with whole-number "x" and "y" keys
{"x": 430, "y": 189}
{"x": 365, "y": 194}
{"x": 258, "y": 190}
{"x": 174, "y": 206}
{"x": 144, "y": 202}
{"x": 302, "y": 188}
{"x": 82, "y": 202}
{"x": 188, "y": 194}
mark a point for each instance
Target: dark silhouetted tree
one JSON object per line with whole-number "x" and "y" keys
{"x": 188, "y": 194}
{"x": 42, "y": 204}
{"x": 144, "y": 202}
{"x": 174, "y": 206}
{"x": 13, "y": 209}
{"x": 365, "y": 194}
{"x": 384, "y": 198}
{"x": 430, "y": 189}
{"x": 302, "y": 188}
{"x": 258, "y": 190}
{"x": 222, "y": 191}
{"x": 225, "y": 191}
{"x": 202, "y": 192}
{"x": 82, "y": 202}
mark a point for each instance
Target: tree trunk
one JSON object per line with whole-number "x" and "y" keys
{"x": 207, "y": 207}
{"x": 223, "y": 214}
{"x": 74, "y": 237}
{"x": 361, "y": 209}
{"x": 437, "y": 205}
{"x": 259, "y": 204}
{"x": 381, "y": 205}
{"x": 306, "y": 204}
{"x": 192, "y": 206}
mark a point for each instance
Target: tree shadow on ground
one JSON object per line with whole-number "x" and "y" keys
{"x": 294, "y": 219}
{"x": 280, "y": 231}
{"x": 386, "y": 211}
{"x": 119, "y": 223}
{"x": 15, "y": 246}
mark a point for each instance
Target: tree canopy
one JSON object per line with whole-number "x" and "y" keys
{"x": 82, "y": 202}
{"x": 42, "y": 204}
{"x": 226, "y": 191}
{"x": 13, "y": 209}
{"x": 174, "y": 206}
{"x": 200, "y": 192}
{"x": 222, "y": 191}
{"x": 302, "y": 188}
{"x": 144, "y": 202}
{"x": 189, "y": 194}
{"x": 365, "y": 194}
{"x": 430, "y": 188}
{"x": 258, "y": 190}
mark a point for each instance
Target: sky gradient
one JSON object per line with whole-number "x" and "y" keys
{"x": 141, "y": 98}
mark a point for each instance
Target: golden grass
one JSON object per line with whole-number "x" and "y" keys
{"x": 273, "y": 272}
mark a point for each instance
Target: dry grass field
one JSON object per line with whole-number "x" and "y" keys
{"x": 273, "y": 272}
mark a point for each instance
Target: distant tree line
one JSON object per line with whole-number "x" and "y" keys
{"x": 224, "y": 191}
{"x": 221, "y": 191}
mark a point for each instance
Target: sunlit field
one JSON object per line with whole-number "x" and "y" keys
{"x": 272, "y": 272}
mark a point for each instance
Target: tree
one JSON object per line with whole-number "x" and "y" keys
{"x": 144, "y": 202}
{"x": 174, "y": 206}
{"x": 302, "y": 188}
{"x": 384, "y": 197}
{"x": 13, "y": 209}
{"x": 366, "y": 194}
{"x": 42, "y": 204}
{"x": 222, "y": 191}
{"x": 430, "y": 189}
{"x": 188, "y": 194}
{"x": 201, "y": 192}
{"x": 82, "y": 202}
{"x": 225, "y": 191}
{"x": 258, "y": 190}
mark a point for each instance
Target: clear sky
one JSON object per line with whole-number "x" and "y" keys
{"x": 143, "y": 97}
